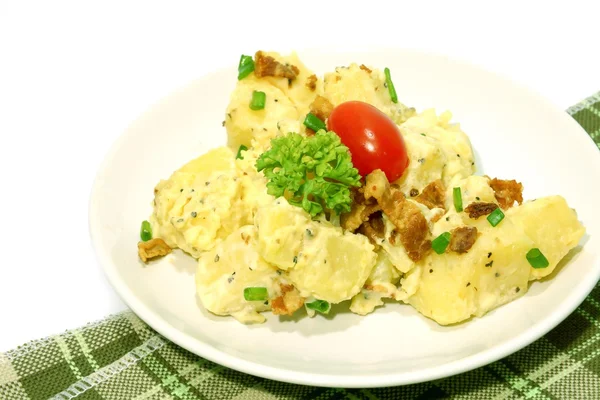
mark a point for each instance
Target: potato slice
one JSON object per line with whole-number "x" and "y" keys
{"x": 552, "y": 225}
{"x": 453, "y": 287}
{"x": 365, "y": 84}
{"x": 224, "y": 272}
{"x": 245, "y": 125}
{"x": 322, "y": 260}
{"x": 193, "y": 208}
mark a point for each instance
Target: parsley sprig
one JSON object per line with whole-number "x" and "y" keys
{"x": 314, "y": 172}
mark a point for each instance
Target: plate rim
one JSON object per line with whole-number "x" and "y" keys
{"x": 195, "y": 346}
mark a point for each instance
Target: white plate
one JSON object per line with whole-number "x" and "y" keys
{"x": 515, "y": 134}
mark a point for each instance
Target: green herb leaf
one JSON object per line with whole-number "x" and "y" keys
{"x": 313, "y": 122}
{"x": 495, "y": 217}
{"x": 457, "y": 197}
{"x": 239, "y": 153}
{"x": 440, "y": 243}
{"x": 321, "y": 306}
{"x": 314, "y": 172}
{"x": 245, "y": 67}
{"x": 146, "y": 231}
{"x": 537, "y": 259}
{"x": 258, "y": 100}
{"x": 390, "y": 85}
{"x": 256, "y": 294}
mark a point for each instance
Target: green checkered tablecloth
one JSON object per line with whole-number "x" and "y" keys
{"x": 121, "y": 357}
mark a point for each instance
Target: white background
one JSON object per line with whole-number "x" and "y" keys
{"x": 73, "y": 75}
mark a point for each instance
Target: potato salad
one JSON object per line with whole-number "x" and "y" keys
{"x": 330, "y": 190}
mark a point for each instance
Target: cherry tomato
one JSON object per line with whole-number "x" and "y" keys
{"x": 372, "y": 137}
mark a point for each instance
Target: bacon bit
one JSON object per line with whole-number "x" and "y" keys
{"x": 321, "y": 108}
{"x": 267, "y": 66}
{"x": 153, "y": 248}
{"x": 360, "y": 212}
{"x": 462, "y": 239}
{"x": 411, "y": 225}
{"x": 478, "y": 209}
{"x": 507, "y": 192}
{"x": 288, "y": 302}
{"x": 432, "y": 195}
{"x": 311, "y": 82}
{"x": 373, "y": 228}
{"x": 365, "y": 68}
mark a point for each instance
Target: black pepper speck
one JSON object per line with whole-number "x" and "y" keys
{"x": 518, "y": 289}
{"x": 490, "y": 263}
{"x": 194, "y": 214}
{"x": 217, "y": 258}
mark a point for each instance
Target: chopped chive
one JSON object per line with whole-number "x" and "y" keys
{"x": 457, "y": 196}
{"x": 390, "y": 85}
{"x": 256, "y": 294}
{"x": 321, "y": 306}
{"x": 440, "y": 243}
{"x": 258, "y": 100}
{"x": 239, "y": 153}
{"x": 146, "y": 231}
{"x": 537, "y": 259}
{"x": 313, "y": 122}
{"x": 246, "y": 66}
{"x": 495, "y": 217}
